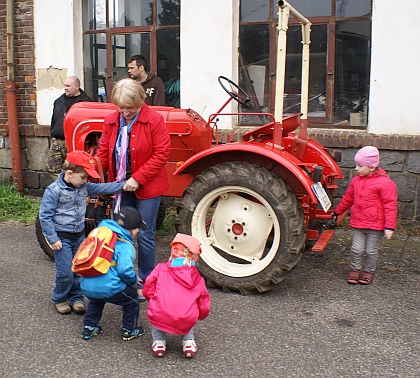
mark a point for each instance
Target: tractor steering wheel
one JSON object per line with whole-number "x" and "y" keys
{"x": 236, "y": 93}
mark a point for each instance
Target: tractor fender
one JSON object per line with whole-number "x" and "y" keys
{"x": 315, "y": 152}
{"x": 253, "y": 153}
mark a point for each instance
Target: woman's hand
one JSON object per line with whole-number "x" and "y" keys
{"x": 131, "y": 185}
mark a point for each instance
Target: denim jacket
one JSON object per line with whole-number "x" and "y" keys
{"x": 63, "y": 208}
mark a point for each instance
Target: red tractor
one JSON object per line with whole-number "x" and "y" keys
{"x": 251, "y": 203}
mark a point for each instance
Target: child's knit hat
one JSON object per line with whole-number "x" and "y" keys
{"x": 189, "y": 242}
{"x": 367, "y": 156}
{"x": 129, "y": 218}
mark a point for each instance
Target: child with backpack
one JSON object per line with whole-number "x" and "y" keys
{"x": 119, "y": 284}
{"x": 177, "y": 296}
{"x": 62, "y": 218}
{"x": 372, "y": 196}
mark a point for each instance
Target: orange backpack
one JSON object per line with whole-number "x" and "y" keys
{"x": 94, "y": 256}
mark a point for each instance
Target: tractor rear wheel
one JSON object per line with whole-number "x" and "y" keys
{"x": 45, "y": 246}
{"x": 249, "y": 222}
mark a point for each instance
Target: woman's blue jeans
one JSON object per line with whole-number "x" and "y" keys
{"x": 148, "y": 208}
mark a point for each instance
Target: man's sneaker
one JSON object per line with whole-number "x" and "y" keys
{"x": 159, "y": 348}
{"x": 88, "y": 332}
{"x": 128, "y": 335}
{"x": 78, "y": 307}
{"x": 189, "y": 348}
{"x": 63, "y": 307}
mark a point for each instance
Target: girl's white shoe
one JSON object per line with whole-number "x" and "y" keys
{"x": 189, "y": 348}
{"x": 159, "y": 348}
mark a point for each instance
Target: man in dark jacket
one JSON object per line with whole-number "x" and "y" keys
{"x": 58, "y": 151}
{"x": 152, "y": 84}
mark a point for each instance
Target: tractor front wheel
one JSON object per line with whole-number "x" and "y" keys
{"x": 250, "y": 225}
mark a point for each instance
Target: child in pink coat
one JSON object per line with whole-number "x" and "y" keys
{"x": 372, "y": 196}
{"x": 177, "y": 296}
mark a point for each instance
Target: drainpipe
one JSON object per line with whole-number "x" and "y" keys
{"x": 11, "y": 101}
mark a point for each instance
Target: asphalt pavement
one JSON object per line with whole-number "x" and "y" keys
{"x": 313, "y": 324}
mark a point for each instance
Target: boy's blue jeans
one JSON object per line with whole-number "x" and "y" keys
{"x": 148, "y": 209}
{"x": 67, "y": 283}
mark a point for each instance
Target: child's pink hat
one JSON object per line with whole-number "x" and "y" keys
{"x": 368, "y": 156}
{"x": 188, "y": 241}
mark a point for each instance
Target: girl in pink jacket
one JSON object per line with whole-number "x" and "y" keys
{"x": 372, "y": 196}
{"x": 177, "y": 296}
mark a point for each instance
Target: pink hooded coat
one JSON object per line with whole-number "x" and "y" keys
{"x": 177, "y": 297}
{"x": 373, "y": 202}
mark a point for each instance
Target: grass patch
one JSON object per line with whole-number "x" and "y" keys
{"x": 14, "y": 207}
{"x": 168, "y": 223}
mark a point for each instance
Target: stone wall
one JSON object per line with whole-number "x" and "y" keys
{"x": 402, "y": 163}
{"x": 403, "y": 168}
{"x": 400, "y": 157}
{"x": 34, "y": 156}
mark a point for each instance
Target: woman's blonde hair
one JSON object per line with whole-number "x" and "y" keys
{"x": 128, "y": 93}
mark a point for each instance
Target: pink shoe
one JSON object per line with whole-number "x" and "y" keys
{"x": 353, "y": 277}
{"x": 159, "y": 348}
{"x": 189, "y": 348}
{"x": 366, "y": 278}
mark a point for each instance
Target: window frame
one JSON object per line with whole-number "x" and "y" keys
{"x": 111, "y": 32}
{"x": 330, "y": 21}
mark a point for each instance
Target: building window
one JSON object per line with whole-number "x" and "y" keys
{"x": 339, "y": 60}
{"x": 114, "y": 30}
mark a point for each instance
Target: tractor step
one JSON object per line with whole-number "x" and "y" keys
{"x": 323, "y": 241}
{"x": 326, "y": 236}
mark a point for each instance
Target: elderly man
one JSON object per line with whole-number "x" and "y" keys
{"x": 58, "y": 151}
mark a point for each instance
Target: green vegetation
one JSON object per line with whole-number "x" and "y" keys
{"x": 14, "y": 207}
{"x": 168, "y": 223}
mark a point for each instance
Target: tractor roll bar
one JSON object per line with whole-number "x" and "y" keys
{"x": 284, "y": 10}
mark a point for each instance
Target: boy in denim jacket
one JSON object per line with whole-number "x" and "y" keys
{"x": 62, "y": 217}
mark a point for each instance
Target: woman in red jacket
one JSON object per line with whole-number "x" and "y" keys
{"x": 135, "y": 147}
{"x": 372, "y": 196}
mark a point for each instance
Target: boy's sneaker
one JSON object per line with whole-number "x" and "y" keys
{"x": 128, "y": 335}
{"x": 63, "y": 307}
{"x": 159, "y": 348}
{"x": 78, "y": 307}
{"x": 189, "y": 348}
{"x": 88, "y": 332}
{"x": 140, "y": 295}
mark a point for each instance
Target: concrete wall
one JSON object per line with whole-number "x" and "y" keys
{"x": 209, "y": 49}
{"x": 209, "y": 45}
{"x": 58, "y": 51}
{"x": 395, "y": 82}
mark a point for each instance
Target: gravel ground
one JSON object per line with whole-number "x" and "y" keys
{"x": 313, "y": 324}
